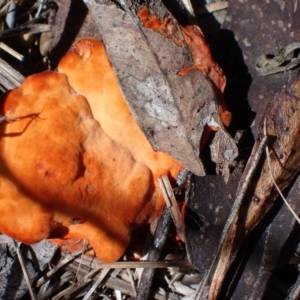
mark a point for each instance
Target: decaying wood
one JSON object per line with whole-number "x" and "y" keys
{"x": 235, "y": 208}
{"x": 282, "y": 118}
{"x": 277, "y": 187}
{"x": 171, "y": 110}
{"x": 209, "y": 202}
{"x": 237, "y": 49}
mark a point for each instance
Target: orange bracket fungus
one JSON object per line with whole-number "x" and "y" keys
{"x": 74, "y": 163}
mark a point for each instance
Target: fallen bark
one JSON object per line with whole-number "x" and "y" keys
{"x": 282, "y": 121}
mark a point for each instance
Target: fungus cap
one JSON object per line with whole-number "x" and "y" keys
{"x": 74, "y": 162}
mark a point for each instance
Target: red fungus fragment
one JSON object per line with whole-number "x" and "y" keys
{"x": 165, "y": 26}
{"x": 199, "y": 50}
{"x": 204, "y": 61}
{"x": 76, "y": 153}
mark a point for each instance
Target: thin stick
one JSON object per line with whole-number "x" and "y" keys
{"x": 46, "y": 294}
{"x": 211, "y": 8}
{"x": 79, "y": 266}
{"x": 66, "y": 260}
{"x": 273, "y": 179}
{"x": 11, "y": 51}
{"x": 31, "y": 28}
{"x": 62, "y": 293}
{"x": 95, "y": 285}
{"x": 140, "y": 264}
{"x": 132, "y": 282}
{"x": 25, "y": 273}
{"x": 39, "y": 11}
{"x": 118, "y": 295}
{"x": 234, "y": 211}
{"x": 158, "y": 243}
{"x": 172, "y": 205}
{"x": 189, "y": 7}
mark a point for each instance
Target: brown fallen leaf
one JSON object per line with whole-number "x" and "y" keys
{"x": 282, "y": 117}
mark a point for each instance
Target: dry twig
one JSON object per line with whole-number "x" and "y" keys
{"x": 25, "y": 273}
{"x": 211, "y": 7}
{"x": 62, "y": 263}
{"x": 172, "y": 205}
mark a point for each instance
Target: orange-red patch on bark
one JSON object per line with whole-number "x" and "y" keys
{"x": 204, "y": 61}
{"x": 199, "y": 50}
{"x": 165, "y": 26}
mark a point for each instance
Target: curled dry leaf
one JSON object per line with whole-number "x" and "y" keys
{"x": 74, "y": 157}
{"x": 282, "y": 117}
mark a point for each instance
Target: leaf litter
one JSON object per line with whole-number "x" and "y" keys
{"x": 45, "y": 288}
{"x": 112, "y": 280}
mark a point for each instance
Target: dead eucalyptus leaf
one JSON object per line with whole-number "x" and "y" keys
{"x": 171, "y": 110}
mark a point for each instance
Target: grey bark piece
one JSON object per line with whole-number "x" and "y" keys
{"x": 171, "y": 110}
{"x": 145, "y": 88}
{"x": 42, "y": 253}
{"x": 36, "y": 258}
